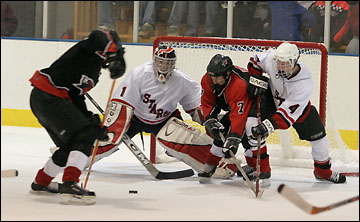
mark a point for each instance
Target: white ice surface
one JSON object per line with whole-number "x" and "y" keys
{"x": 27, "y": 150}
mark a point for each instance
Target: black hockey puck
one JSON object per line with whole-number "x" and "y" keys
{"x": 133, "y": 191}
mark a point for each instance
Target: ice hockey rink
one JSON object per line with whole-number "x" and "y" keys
{"x": 27, "y": 149}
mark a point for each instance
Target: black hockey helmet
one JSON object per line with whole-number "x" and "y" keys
{"x": 219, "y": 65}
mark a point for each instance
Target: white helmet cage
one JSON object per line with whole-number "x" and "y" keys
{"x": 164, "y": 62}
{"x": 286, "y": 53}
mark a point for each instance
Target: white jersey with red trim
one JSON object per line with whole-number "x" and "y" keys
{"x": 291, "y": 96}
{"x": 154, "y": 101}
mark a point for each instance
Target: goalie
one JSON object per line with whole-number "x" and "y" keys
{"x": 147, "y": 100}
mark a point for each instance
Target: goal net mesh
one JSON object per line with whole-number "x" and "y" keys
{"x": 284, "y": 146}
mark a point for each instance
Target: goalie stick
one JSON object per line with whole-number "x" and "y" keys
{"x": 9, "y": 173}
{"x": 292, "y": 196}
{"x": 143, "y": 159}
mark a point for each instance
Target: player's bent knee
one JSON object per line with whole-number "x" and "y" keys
{"x": 60, "y": 157}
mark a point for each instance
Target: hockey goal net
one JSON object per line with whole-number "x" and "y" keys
{"x": 284, "y": 146}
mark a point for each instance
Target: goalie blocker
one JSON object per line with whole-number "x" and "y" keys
{"x": 190, "y": 145}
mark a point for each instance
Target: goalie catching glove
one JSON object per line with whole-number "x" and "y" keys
{"x": 214, "y": 127}
{"x": 232, "y": 143}
{"x": 258, "y": 84}
{"x": 264, "y": 129}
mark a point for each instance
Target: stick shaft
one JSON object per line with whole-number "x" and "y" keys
{"x": 102, "y": 124}
{"x": 258, "y": 150}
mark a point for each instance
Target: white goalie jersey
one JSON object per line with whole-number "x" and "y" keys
{"x": 154, "y": 101}
{"x": 291, "y": 96}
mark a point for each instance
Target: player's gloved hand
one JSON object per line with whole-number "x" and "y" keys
{"x": 264, "y": 129}
{"x": 103, "y": 134}
{"x": 232, "y": 142}
{"x": 115, "y": 61}
{"x": 258, "y": 84}
{"x": 214, "y": 127}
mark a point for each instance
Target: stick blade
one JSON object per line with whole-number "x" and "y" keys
{"x": 292, "y": 196}
{"x": 174, "y": 175}
{"x": 9, "y": 173}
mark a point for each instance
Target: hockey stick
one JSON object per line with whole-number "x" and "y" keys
{"x": 9, "y": 173}
{"x": 258, "y": 150}
{"x": 236, "y": 161}
{"x": 143, "y": 159}
{"x": 97, "y": 141}
{"x": 292, "y": 196}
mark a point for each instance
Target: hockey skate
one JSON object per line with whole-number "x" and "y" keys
{"x": 251, "y": 173}
{"x": 205, "y": 177}
{"x": 335, "y": 177}
{"x": 71, "y": 192}
{"x": 322, "y": 171}
{"x": 52, "y": 188}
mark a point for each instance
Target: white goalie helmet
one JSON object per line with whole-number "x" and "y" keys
{"x": 286, "y": 56}
{"x": 164, "y": 62}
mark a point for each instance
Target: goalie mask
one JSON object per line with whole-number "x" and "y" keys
{"x": 164, "y": 62}
{"x": 219, "y": 65}
{"x": 285, "y": 59}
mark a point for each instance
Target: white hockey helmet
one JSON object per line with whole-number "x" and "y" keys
{"x": 286, "y": 56}
{"x": 164, "y": 62}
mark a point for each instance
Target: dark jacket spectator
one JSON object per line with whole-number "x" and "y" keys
{"x": 288, "y": 19}
{"x": 8, "y": 20}
{"x": 339, "y": 19}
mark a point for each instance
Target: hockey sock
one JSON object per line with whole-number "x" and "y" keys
{"x": 42, "y": 178}
{"x": 71, "y": 174}
{"x": 322, "y": 169}
{"x": 264, "y": 160}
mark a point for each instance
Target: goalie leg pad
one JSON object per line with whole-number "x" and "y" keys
{"x": 118, "y": 120}
{"x": 192, "y": 155}
{"x": 185, "y": 142}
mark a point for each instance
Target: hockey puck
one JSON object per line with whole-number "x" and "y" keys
{"x": 133, "y": 191}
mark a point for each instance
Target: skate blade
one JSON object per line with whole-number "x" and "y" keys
{"x": 70, "y": 199}
{"x": 42, "y": 193}
{"x": 265, "y": 183}
{"x": 205, "y": 180}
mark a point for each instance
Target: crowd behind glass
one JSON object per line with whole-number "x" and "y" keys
{"x": 275, "y": 20}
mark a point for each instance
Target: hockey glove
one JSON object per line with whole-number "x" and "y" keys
{"x": 115, "y": 61}
{"x": 232, "y": 143}
{"x": 264, "y": 129}
{"x": 258, "y": 85}
{"x": 214, "y": 127}
{"x": 103, "y": 134}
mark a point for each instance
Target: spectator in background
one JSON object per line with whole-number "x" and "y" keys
{"x": 251, "y": 19}
{"x": 339, "y": 30}
{"x": 177, "y": 13}
{"x": 353, "y": 46}
{"x": 8, "y": 20}
{"x": 107, "y": 18}
{"x": 193, "y": 19}
{"x": 289, "y": 19}
{"x": 148, "y": 11}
